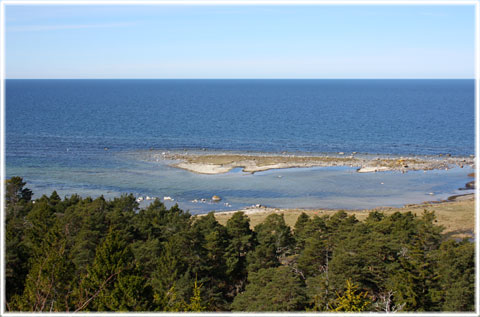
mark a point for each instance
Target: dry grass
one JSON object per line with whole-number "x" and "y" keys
{"x": 458, "y": 217}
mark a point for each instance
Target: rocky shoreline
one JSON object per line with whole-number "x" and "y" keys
{"x": 224, "y": 162}
{"x": 265, "y": 209}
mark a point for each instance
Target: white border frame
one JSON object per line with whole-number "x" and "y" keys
{"x": 474, "y": 3}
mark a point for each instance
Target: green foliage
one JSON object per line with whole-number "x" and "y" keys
{"x": 165, "y": 276}
{"x": 456, "y": 276}
{"x": 17, "y": 252}
{"x": 300, "y": 230}
{"x": 415, "y": 276}
{"x": 275, "y": 243}
{"x": 314, "y": 257}
{"x": 320, "y": 293}
{"x": 174, "y": 304}
{"x": 272, "y": 289}
{"x": 51, "y": 277}
{"x": 15, "y": 192}
{"x": 241, "y": 241}
{"x": 196, "y": 300}
{"x": 351, "y": 300}
{"x": 84, "y": 254}
{"x": 211, "y": 241}
{"x": 113, "y": 282}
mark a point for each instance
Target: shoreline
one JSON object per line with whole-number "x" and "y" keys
{"x": 220, "y": 163}
{"x": 456, "y": 214}
{"x": 260, "y": 208}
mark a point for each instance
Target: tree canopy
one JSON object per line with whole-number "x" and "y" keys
{"x": 84, "y": 254}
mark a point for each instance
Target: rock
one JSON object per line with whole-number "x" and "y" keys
{"x": 369, "y": 169}
{"x": 216, "y": 198}
{"x": 468, "y": 186}
{"x": 460, "y": 197}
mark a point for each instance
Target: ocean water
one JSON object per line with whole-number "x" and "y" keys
{"x": 90, "y": 137}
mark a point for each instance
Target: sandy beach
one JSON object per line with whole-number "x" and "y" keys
{"x": 251, "y": 163}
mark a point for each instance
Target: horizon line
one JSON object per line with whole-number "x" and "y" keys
{"x": 244, "y": 78}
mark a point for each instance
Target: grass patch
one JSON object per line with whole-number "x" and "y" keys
{"x": 458, "y": 217}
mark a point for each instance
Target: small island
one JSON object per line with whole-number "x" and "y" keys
{"x": 218, "y": 163}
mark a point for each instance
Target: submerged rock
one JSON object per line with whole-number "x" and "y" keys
{"x": 469, "y": 185}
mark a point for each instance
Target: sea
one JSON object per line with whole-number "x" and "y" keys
{"x": 100, "y": 137}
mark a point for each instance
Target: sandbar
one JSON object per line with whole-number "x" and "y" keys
{"x": 251, "y": 163}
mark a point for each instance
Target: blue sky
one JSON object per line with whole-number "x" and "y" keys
{"x": 46, "y": 41}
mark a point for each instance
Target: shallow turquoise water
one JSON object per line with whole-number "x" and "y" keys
{"x": 325, "y": 187}
{"x": 88, "y": 137}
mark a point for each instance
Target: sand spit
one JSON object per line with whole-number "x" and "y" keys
{"x": 223, "y": 163}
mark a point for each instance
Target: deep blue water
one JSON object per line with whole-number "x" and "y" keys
{"x": 57, "y": 130}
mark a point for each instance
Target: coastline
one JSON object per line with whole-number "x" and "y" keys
{"x": 219, "y": 163}
{"x": 457, "y": 214}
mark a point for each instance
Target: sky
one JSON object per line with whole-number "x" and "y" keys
{"x": 166, "y": 41}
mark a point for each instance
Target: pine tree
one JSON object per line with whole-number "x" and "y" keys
{"x": 16, "y": 192}
{"x": 51, "y": 278}
{"x": 164, "y": 278}
{"x": 18, "y": 205}
{"x": 351, "y": 300}
{"x": 113, "y": 282}
{"x": 241, "y": 242}
{"x": 299, "y": 230}
{"x": 272, "y": 289}
{"x": 196, "y": 300}
{"x": 455, "y": 264}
